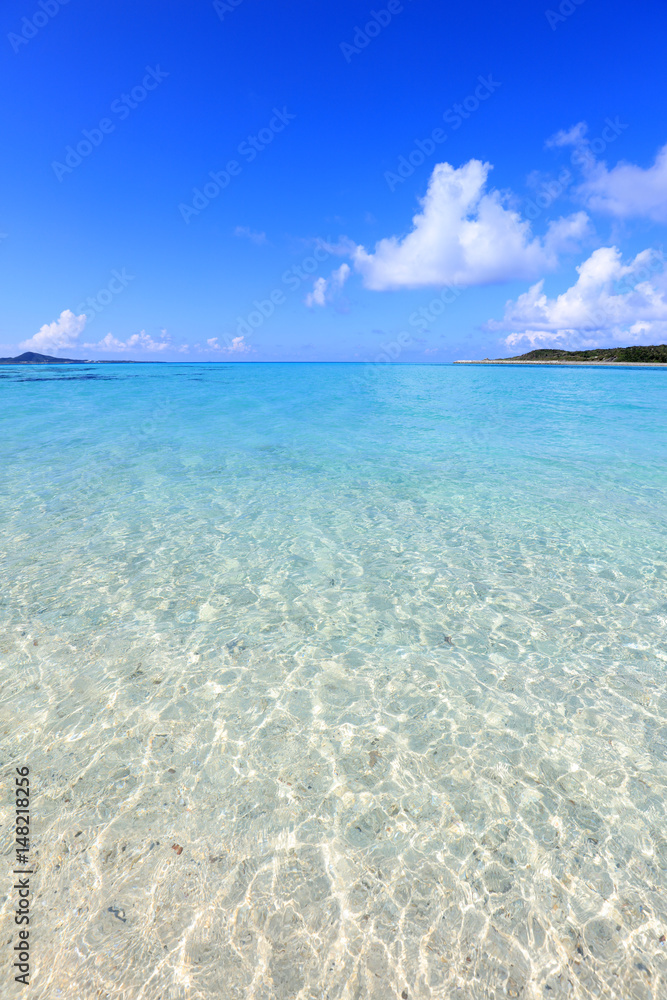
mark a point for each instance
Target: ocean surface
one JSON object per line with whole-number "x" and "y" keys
{"x": 336, "y": 681}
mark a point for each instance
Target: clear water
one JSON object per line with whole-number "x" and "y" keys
{"x": 381, "y": 648}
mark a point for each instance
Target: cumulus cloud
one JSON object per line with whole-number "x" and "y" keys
{"x": 464, "y": 235}
{"x": 63, "y": 332}
{"x": 247, "y": 233}
{"x": 236, "y": 345}
{"x": 624, "y": 191}
{"x": 609, "y": 299}
{"x": 137, "y": 342}
{"x": 326, "y": 289}
{"x": 628, "y": 191}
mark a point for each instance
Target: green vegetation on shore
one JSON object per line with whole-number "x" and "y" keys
{"x": 624, "y": 355}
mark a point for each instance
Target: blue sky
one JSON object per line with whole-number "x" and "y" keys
{"x": 536, "y": 217}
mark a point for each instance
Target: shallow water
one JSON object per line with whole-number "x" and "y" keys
{"x": 381, "y": 647}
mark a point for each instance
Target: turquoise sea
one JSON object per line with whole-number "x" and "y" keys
{"x": 381, "y": 648}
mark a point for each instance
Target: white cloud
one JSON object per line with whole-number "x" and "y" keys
{"x": 236, "y": 345}
{"x": 318, "y": 295}
{"x": 464, "y": 235}
{"x": 575, "y": 136}
{"x": 66, "y": 330}
{"x": 245, "y": 231}
{"x": 63, "y": 332}
{"x": 326, "y": 289}
{"x": 565, "y": 235}
{"x": 609, "y": 299}
{"x": 628, "y": 191}
{"x": 137, "y": 342}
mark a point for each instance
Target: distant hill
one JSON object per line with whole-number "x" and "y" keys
{"x": 655, "y": 354}
{"x": 624, "y": 355}
{"x": 30, "y": 358}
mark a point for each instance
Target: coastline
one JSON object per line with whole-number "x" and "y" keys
{"x": 574, "y": 364}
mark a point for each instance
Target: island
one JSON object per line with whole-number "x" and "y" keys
{"x": 30, "y": 358}
{"x": 636, "y": 355}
